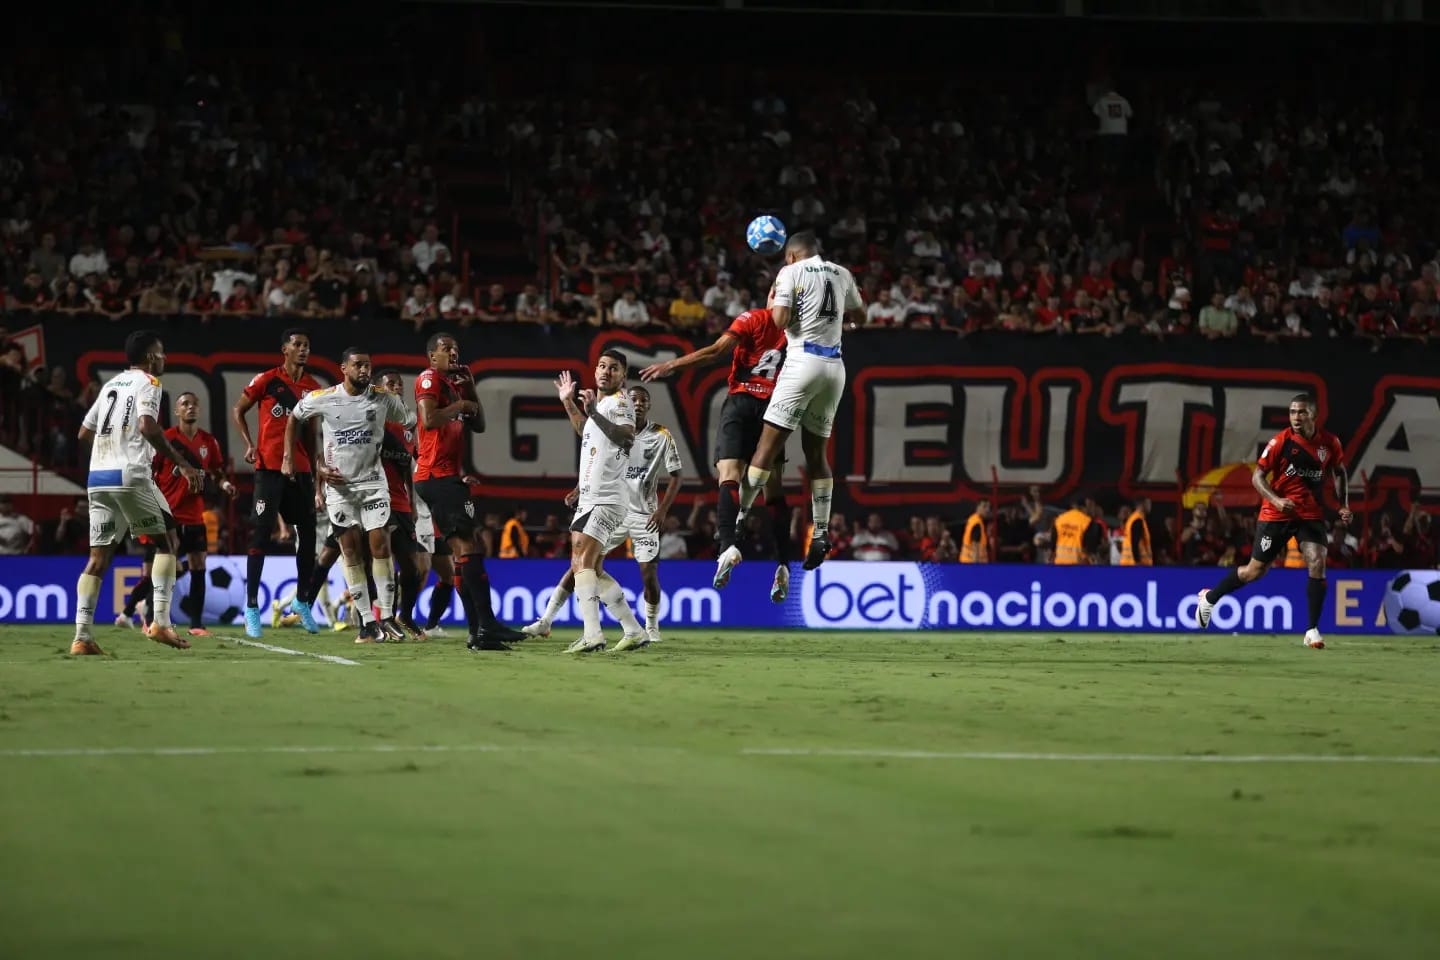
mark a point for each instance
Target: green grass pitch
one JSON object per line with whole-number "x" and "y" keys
{"x": 724, "y": 794}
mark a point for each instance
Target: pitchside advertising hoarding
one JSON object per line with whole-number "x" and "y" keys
{"x": 894, "y": 597}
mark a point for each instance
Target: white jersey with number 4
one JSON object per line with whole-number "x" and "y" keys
{"x": 603, "y": 462}
{"x": 818, "y": 293}
{"x": 120, "y": 455}
{"x": 352, "y": 429}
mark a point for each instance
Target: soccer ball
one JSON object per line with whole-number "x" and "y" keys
{"x": 766, "y": 234}
{"x": 224, "y": 591}
{"x": 1412, "y": 603}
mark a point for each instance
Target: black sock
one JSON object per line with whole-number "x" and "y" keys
{"x": 472, "y": 616}
{"x": 254, "y": 569}
{"x": 142, "y": 591}
{"x": 1230, "y": 584}
{"x": 317, "y": 580}
{"x": 409, "y": 588}
{"x": 440, "y": 599}
{"x": 305, "y": 562}
{"x": 1315, "y": 598}
{"x": 477, "y": 585}
{"x": 780, "y": 528}
{"x": 727, "y": 512}
{"x": 196, "y": 598}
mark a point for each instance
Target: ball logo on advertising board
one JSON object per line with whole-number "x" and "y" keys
{"x": 857, "y": 596}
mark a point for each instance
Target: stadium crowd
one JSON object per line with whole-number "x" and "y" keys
{"x": 1047, "y": 212}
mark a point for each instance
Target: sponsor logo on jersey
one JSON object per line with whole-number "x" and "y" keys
{"x": 278, "y": 411}
{"x": 1294, "y": 471}
{"x": 375, "y": 505}
{"x": 352, "y": 436}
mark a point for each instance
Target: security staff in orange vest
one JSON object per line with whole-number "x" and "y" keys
{"x": 514, "y": 541}
{"x": 1294, "y": 559}
{"x": 1077, "y": 536}
{"x": 975, "y": 545}
{"x": 1135, "y": 545}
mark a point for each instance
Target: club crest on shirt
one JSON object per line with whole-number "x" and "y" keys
{"x": 1322, "y": 454}
{"x": 204, "y": 452}
{"x": 470, "y": 509}
{"x": 259, "y": 507}
{"x": 1265, "y": 543}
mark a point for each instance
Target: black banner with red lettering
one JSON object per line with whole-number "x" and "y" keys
{"x": 929, "y": 420}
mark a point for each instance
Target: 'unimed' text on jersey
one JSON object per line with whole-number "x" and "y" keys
{"x": 1299, "y": 469}
{"x": 120, "y": 455}
{"x": 818, "y": 293}
{"x": 275, "y": 395}
{"x": 603, "y": 462}
{"x": 352, "y": 427}
{"x": 653, "y": 455}
{"x": 759, "y": 353}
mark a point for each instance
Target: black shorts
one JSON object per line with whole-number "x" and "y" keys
{"x": 276, "y": 496}
{"x": 190, "y": 538}
{"x": 450, "y": 506}
{"x": 403, "y": 542}
{"x": 742, "y": 418}
{"x": 1271, "y": 536}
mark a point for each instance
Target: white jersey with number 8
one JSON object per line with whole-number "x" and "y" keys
{"x": 818, "y": 293}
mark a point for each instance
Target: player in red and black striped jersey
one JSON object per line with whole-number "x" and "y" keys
{"x": 202, "y": 451}
{"x": 756, "y": 348}
{"x": 275, "y": 392}
{"x": 1296, "y": 468}
{"x": 446, "y": 405}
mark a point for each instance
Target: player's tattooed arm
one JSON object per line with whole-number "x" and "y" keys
{"x": 154, "y": 434}
{"x": 565, "y": 389}
{"x": 620, "y": 434}
{"x": 1260, "y": 481}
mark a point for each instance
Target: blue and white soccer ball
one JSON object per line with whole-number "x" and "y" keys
{"x": 766, "y": 234}
{"x": 1412, "y": 603}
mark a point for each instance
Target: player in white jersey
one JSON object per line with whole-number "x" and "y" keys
{"x": 606, "y": 424}
{"x": 352, "y": 416}
{"x": 124, "y": 426}
{"x": 814, "y": 298}
{"x": 654, "y": 453}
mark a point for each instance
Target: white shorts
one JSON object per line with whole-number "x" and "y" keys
{"x": 365, "y": 507}
{"x": 807, "y": 393}
{"x": 644, "y": 542}
{"x": 424, "y": 525}
{"x": 118, "y": 511}
{"x": 600, "y": 522}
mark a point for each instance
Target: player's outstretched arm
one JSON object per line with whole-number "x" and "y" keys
{"x": 154, "y": 434}
{"x": 723, "y": 346}
{"x": 565, "y": 389}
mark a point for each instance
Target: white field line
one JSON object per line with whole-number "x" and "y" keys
{"x": 780, "y": 752}
{"x": 328, "y": 658}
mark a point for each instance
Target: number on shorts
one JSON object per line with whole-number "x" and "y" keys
{"x": 109, "y": 412}
{"x": 768, "y": 363}
{"x": 827, "y": 304}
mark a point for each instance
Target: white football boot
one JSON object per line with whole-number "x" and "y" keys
{"x": 1203, "y": 610}
{"x": 1313, "y": 640}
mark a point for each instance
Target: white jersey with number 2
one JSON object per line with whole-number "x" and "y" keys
{"x": 120, "y": 455}
{"x": 818, "y": 293}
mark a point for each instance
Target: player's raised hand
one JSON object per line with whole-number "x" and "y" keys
{"x": 565, "y": 385}
{"x": 657, "y": 370}
{"x": 587, "y": 401}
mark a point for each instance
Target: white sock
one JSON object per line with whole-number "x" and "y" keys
{"x": 87, "y": 594}
{"x": 557, "y": 600}
{"x": 750, "y": 487}
{"x": 613, "y": 596}
{"x": 652, "y": 616}
{"x": 359, "y": 592}
{"x": 820, "y": 493}
{"x": 587, "y": 593}
{"x": 384, "y": 573}
{"x": 288, "y": 599}
{"x": 162, "y": 575}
